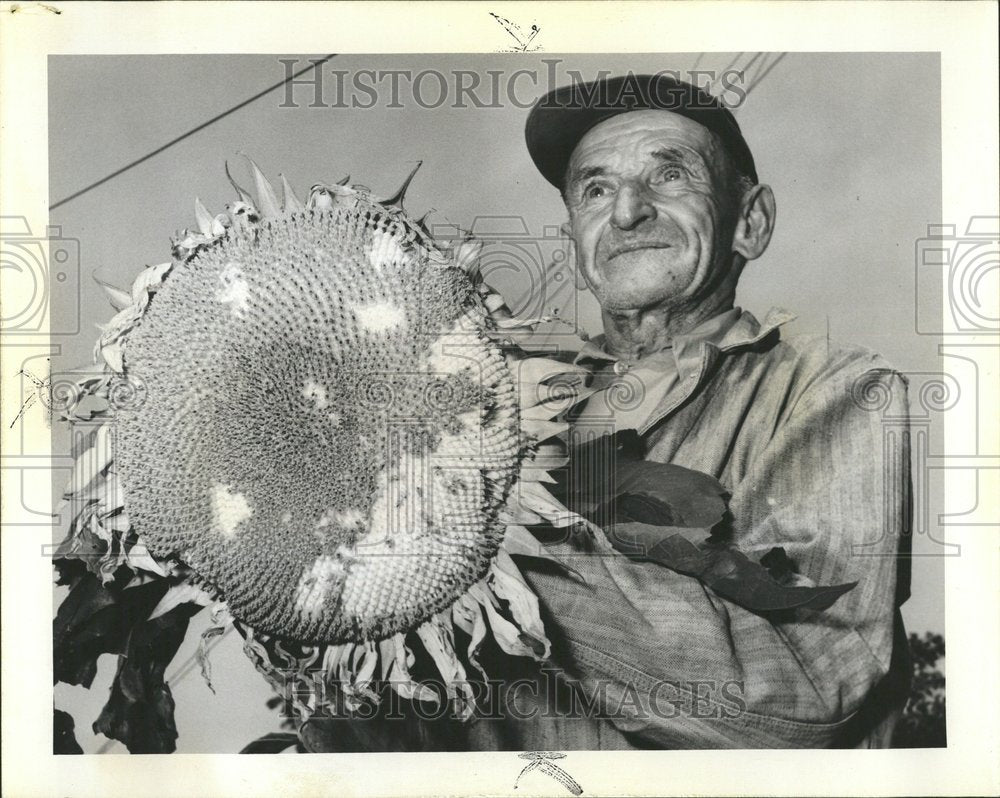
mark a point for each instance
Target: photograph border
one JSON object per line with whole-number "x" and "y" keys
{"x": 964, "y": 34}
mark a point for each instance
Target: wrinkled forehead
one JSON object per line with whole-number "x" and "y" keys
{"x": 633, "y": 138}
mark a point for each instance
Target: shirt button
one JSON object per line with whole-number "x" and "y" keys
{"x": 621, "y": 367}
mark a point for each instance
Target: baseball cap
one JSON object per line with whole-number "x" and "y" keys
{"x": 563, "y": 116}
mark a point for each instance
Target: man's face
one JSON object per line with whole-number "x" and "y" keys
{"x": 651, "y": 210}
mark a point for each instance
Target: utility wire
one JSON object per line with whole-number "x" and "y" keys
{"x": 314, "y": 65}
{"x": 730, "y": 66}
{"x": 766, "y": 72}
{"x": 746, "y": 67}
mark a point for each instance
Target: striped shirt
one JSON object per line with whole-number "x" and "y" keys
{"x": 811, "y": 442}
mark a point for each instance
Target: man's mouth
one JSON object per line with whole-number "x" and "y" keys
{"x": 636, "y": 246}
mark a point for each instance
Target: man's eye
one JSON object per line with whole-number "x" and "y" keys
{"x": 668, "y": 174}
{"x": 594, "y": 191}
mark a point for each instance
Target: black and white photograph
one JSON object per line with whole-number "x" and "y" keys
{"x": 524, "y": 391}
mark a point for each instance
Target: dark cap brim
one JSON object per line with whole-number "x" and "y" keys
{"x": 560, "y": 119}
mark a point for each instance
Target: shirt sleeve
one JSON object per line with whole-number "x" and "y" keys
{"x": 832, "y": 487}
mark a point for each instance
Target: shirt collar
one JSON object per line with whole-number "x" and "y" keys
{"x": 726, "y": 331}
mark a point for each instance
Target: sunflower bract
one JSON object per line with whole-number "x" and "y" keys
{"x": 329, "y": 433}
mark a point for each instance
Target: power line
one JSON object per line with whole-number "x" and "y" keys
{"x": 730, "y": 66}
{"x": 766, "y": 72}
{"x": 750, "y": 63}
{"x": 313, "y": 65}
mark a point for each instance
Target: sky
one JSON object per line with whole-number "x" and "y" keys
{"x": 850, "y": 143}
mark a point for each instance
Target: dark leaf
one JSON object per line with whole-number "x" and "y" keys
{"x": 273, "y": 743}
{"x": 533, "y": 643}
{"x": 69, "y": 571}
{"x": 923, "y": 724}
{"x": 778, "y": 565}
{"x": 96, "y": 619}
{"x": 728, "y": 572}
{"x": 84, "y": 628}
{"x": 668, "y": 495}
{"x": 140, "y": 711}
{"x": 63, "y": 734}
{"x": 329, "y": 735}
{"x": 274, "y": 702}
{"x": 666, "y": 514}
{"x": 608, "y": 479}
{"x": 287, "y": 717}
{"x": 632, "y": 539}
{"x": 404, "y": 731}
{"x": 588, "y": 477}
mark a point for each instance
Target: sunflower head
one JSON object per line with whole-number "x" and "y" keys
{"x": 338, "y": 444}
{"x": 330, "y": 431}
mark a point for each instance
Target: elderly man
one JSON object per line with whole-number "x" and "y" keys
{"x": 665, "y": 210}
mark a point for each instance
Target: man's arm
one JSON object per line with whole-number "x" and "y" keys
{"x": 831, "y": 487}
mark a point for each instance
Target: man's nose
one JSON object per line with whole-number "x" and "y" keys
{"x": 632, "y": 206}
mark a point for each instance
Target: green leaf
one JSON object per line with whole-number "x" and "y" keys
{"x": 727, "y": 571}
{"x": 273, "y": 743}
{"x": 140, "y": 710}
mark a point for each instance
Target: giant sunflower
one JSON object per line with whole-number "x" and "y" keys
{"x": 330, "y": 440}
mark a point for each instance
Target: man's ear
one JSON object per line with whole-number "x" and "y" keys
{"x": 755, "y": 223}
